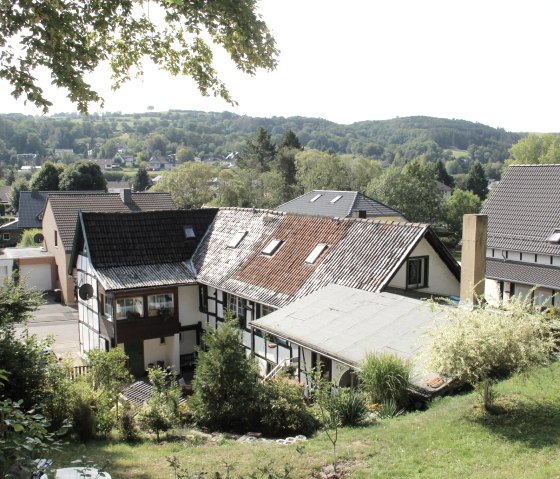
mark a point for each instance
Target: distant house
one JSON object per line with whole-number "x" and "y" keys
{"x": 340, "y": 204}
{"x": 157, "y": 163}
{"x": 446, "y": 191}
{"x": 117, "y": 186}
{"x": 4, "y": 199}
{"x": 61, "y": 213}
{"x": 144, "y": 291}
{"x": 36, "y": 267}
{"x": 523, "y": 249}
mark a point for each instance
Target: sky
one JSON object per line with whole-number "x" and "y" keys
{"x": 490, "y": 61}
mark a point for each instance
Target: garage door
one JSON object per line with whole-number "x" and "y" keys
{"x": 38, "y": 276}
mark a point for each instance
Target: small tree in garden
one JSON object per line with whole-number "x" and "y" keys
{"x": 477, "y": 345}
{"x": 225, "y": 384}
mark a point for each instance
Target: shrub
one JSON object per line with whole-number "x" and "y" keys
{"x": 27, "y": 239}
{"x": 385, "y": 377}
{"x": 155, "y": 417}
{"x": 83, "y": 416}
{"x": 284, "y": 411}
{"x": 58, "y": 393}
{"x": 127, "y": 424}
{"x": 350, "y": 406}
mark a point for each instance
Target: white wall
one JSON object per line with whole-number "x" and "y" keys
{"x": 440, "y": 280}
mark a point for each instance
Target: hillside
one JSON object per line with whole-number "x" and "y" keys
{"x": 217, "y": 134}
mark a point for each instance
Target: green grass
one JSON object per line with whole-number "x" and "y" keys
{"x": 454, "y": 438}
{"x": 459, "y": 153}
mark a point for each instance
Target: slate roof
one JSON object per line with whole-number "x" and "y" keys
{"x": 524, "y": 273}
{"x": 142, "y": 249}
{"x": 346, "y": 324}
{"x": 65, "y": 208}
{"x": 32, "y": 203}
{"x": 349, "y": 202}
{"x": 361, "y": 254}
{"x": 524, "y": 209}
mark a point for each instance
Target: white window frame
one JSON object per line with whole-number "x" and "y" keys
{"x": 317, "y": 251}
{"x": 133, "y": 304}
{"x": 236, "y": 239}
{"x": 272, "y": 247}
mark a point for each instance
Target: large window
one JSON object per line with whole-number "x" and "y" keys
{"x": 107, "y": 306}
{"x": 130, "y": 308}
{"x": 238, "y": 306}
{"x": 159, "y": 304}
{"x": 417, "y": 272}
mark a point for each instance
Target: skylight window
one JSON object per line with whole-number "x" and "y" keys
{"x": 236, "y": 239}
{"x": 336, "y": 198}
{"x": 554, "y": 237}
{"x": 315, "y": 198}
{"x": 272, "y": 247}
{"x": 189, "y": 232}
{"x": 315, "y": 253}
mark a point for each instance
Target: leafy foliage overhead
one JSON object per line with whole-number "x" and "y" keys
{"x": 72, "y": 38}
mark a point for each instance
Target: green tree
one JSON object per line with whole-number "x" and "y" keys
{"x": 71, "y": 39}
{"x": 290, "y": 140}
{"x": 48, "y": 177}
{"x": 317, "y": 170}
{"x": 362, "y": 171}
{"x": 82, "y": 176}
{"x": 27, "y": 239}
{"x": 478, "y": 345}
{"x": 225, "y": 383}
{"x": 476, "y": 181}
{"x": 142, "y": 180}
{"x": 257, "y": 152}
{"x": 443, "y": 175}
{"x": 234, "y": 189}
{"x": 536, "y": 149}
{"x": 411, "y": 190}
{"x": 190, "y": 185}
{"x": 460, "y": 203}
{"x": 18, "y": 186}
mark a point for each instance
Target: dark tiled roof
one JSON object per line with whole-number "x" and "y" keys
{"x": 524, "y": 209}
{"x": 144, "y": 238}
{"x": 4, "y": 194}
{"x": 362, "y": 254}
{"x": 350, "y": 202}
{"x": 65, "y": 208}
{"x": 524, "y": 273}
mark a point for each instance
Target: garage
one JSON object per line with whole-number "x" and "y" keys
{"x": 38, "y": 276}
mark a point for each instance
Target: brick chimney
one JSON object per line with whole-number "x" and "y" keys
{"x": 126, "y": 195}
{"x": 473, "y": 258}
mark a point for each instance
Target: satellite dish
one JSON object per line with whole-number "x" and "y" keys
{"x": 38, "y": 238}
{"x": 85, "y": 291}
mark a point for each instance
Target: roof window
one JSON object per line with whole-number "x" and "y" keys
{"x": 554, "y": 237}
{"x": 236, "y": 239}
{"x": 315, "y": 253}
{"x": 315, "y": 198}
{"x": 272, "y": 247}
{"x": 189, "y": 232}
{"x": 336, "y": 198}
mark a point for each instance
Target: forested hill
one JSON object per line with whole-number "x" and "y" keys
{"x": 217, "y": 134}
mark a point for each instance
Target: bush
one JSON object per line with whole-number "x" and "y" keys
{"x": 155, "y": 417}
{"x": 59, "y": 393}
{"x": 385, "y": 377}
{"x": 350, "y": 406}
{"x": 283, "y": 409}
{"x": 27, "y": 239}
{"x": 83, "y": 415}
{"x": 127, "y": 424}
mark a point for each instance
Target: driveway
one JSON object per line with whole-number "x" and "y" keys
{"x": 61, "y": 322}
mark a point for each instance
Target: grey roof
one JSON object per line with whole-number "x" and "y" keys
{"x": 32, "y": 203}
{"x": 4, "y": 194}
{"x": 524, "y": 209}
{"x": 346, "y": 324}
{"x": 524, "y": 273}
{"x": 349, "y": 203}
{"x": 33, "y": 252}
{"x": 361, "y": 253}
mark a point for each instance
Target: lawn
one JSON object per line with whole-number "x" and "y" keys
{"x": 454, "y": 438}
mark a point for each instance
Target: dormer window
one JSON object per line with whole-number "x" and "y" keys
{"x": 554, "y": 238}
{"x": 336, "y": 198}
{"x": 315, "y": 198}
{"x": 272, "y": 247}
{"x": 315, "y": 253}
{"x": 237, "y": 238}
{"x": 189, "y": 232}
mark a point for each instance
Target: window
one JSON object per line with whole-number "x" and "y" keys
{"x": 236, "y": 239}
{"x": 130, "y": 308}
{"x": 554, "y": 237}
{"x": 189, "y": 232}
{"x": 203, "y": 298}
{"x": 315, "y": 253}
{"x": 417, "y": 272}
{"x": 336, "y": 198}
{"x": 315, "y": 198}
{"x": 107, "y": 306}
{"x": 272, "y": 247}
{"x": 238, "y": 307}
{"x": 159, "y": 304}
{"x": 266, "y": 310}
{"x": 6, "y": 236}
{"x": 55, "y": 238}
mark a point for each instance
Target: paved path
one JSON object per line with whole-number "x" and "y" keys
{"x": 61, "y": 322}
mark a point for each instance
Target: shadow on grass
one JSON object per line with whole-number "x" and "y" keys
{"x": 535, "y": 424}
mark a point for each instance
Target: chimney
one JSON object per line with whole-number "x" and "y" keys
{"x": 473, "y": 257}
{"x": 126, "y": 195}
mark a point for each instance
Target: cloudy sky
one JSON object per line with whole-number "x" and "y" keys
{"x": 490, "y": 61}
